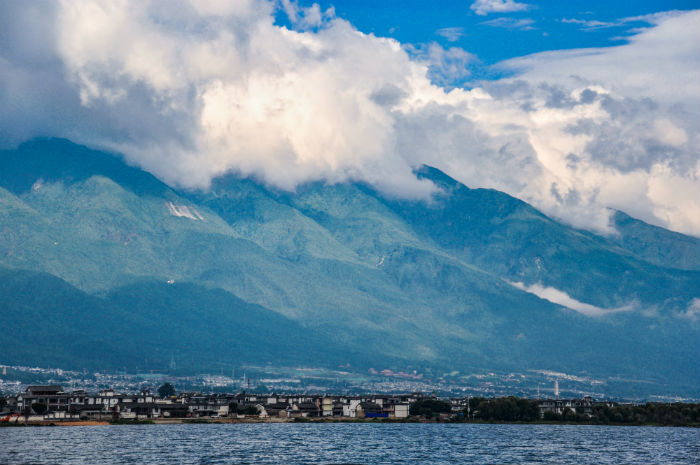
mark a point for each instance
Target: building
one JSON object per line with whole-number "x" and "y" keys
{"x": 52, "y": 397}
{"x": 558, "y": 406}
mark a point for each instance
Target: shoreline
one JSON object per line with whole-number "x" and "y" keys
{"x": 211, "y": 421}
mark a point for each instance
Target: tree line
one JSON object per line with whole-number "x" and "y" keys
{"x": 515, "y": 409}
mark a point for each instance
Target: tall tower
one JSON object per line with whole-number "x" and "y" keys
{"x": 556, "y": 388}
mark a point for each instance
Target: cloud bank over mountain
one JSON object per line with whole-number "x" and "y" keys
{"x": 191, "y": 90}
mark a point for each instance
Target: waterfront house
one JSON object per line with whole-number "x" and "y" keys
{"x": 369, "y": 410}
{"x": 306, "y": 409}
{"x": 52, "y": 396}
{"x": 558, "y": 406}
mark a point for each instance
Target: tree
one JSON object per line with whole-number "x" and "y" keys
{"x": 568, "y": 415}
{"x": 39, "y": 408}
{"x": 250, "y": 410}
{"x": 166, "y": 390}
{"x": 429, "y": 407}
{"x": 233, "y": 407}
{"x": 506, "y": 409}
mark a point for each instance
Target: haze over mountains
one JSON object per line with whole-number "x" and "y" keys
{"x": 104, "y": 266}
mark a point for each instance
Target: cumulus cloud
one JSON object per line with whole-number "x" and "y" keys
{"x": 558, "y": 297}
{"x": 619, "y": 126}
{"x": 190, "y": 90}
{"x": 305, "y": 18}
{"x": 484, "y": 7}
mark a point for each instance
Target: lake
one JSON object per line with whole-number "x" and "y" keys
{"x": 364, "y": 443}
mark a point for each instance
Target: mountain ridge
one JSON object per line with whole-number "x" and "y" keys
{"x": 413, "y": 284}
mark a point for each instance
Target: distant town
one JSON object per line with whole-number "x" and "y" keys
{"x": 52, "y": 405}
{"x": 45, "y": 396}
{"x": 44, "y": 403}
{"x": 533, "y": 384}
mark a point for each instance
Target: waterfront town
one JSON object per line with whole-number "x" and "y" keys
{"x": 45, "y": 396}
{"x": 50, "y": 403}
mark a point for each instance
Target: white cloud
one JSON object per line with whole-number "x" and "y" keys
{"x": 591, "y": 24}
{"x": 304, "y": 18}
{"x": 618, "y": 126}
{"x": 484, "y": 7}
{"x": 190, "y": 90}
{"x": 692, "y": 312}
{"x": 524, "y": 24}
{"x": 193, "y": 90}
{"x": 445, "y": 65}
{"x": 452, "y": 34}
{"x": 669, "y": 134}
{"x": 558, "y": 297}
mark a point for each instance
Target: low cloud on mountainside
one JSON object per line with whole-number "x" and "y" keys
{"x": 191, "y": 90}
{"x": 558, "y": 297}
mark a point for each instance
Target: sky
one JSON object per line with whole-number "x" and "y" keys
{"x": 494, "y": 31}
{"x": 520, "y": 28}
{"x": 575, "y": 107}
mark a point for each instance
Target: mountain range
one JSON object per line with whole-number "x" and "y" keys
{"x": 104, "y": 266}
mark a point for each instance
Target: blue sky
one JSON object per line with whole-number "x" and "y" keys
{"x": 496, "y": 36}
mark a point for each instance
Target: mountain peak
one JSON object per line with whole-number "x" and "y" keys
{"x": 438, "y": 177}
{"x": 55, "y": 159}
{"x": 655, "y": 244}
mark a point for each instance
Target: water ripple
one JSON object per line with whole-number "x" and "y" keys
{"x": 344, "y": 443}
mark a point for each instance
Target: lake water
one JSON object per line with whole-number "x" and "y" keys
{"x": 363, "y": 443}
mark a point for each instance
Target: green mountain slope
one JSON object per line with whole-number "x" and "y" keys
{"x": 142, "y": 326}
{"x": 350, "y": 275}
{"x": 656, "y": 245}
{"x": 510, "y": 238}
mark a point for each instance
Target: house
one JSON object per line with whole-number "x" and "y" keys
{"x": 558, "y": 406}
{"x": 397, "y": 410}
{"x": 52, "y": 396}
{"x": 207, "y": 406}
{"x": 327, "y": 407}
{"x": 276, "y": 410}
{"x": 140, "y": 410}
{"x": 370, "y": 410}
{"x": 306, "y": 409}
{"x": 90, "y": 411}
{"x": 350, "y": 408}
